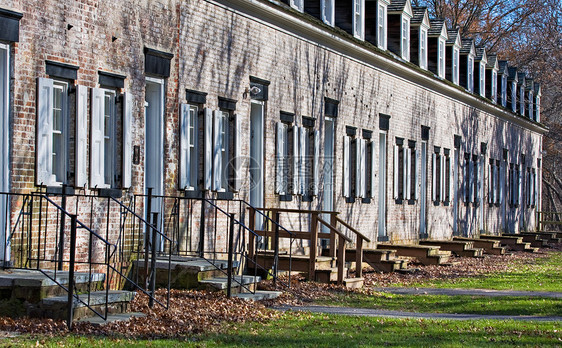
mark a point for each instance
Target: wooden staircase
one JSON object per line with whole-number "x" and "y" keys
{"x": 462, "y": 248}
{"x": 425, "y": 254}
{"x": 534, "y": 240}
{"x": 489, "y": 246}
{"x": 382, "y": 260}
{"x": 514, "y": 243}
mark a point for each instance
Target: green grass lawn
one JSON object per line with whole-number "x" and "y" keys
{"x": 543, "y": 275}
{"x": 451, "y": 304}
{"x": 318, "y": 330}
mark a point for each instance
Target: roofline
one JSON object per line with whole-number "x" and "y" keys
{"x": 342, "y": 43}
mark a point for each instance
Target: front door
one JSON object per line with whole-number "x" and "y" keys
{"x": 423, "y": 192}
{"x": 382, "y": 236}
{"x": 4, "y": 149}
{"x": 154, "y": 149}
{"x": 256, "y": 158}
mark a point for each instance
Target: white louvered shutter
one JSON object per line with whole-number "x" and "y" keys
{"x": 395, "y": 173}
{"x": 434, "y": 176}
{"x": 97, "y": 170}
{"x": 217, "y": 144}
{"x": 345, "y": 167}
{"x": 316, "y": 181}
{"x": 237, "y": 152}
{"x": 451, "y": 178}
{"x": 471, "y": 176}
{"x": 536, "y": 186}
{"x": 280, "y": 159}
{"x": 44, "y": 139}
{"x": 417, "y": 170}
{"x": 502, "y": 182}
{"x": 479, "y": 180}
{"x": 208, "y": 160}
{"x": 494, "y": 183}
{"x": 127, "y": 140}
{"x": 302, "y": 160}
{"x": 358, "y": 168}
{"x": 519, "y": 184}
{"x": 295, "y": 160}
{"x": 408, "y": 173}
{"x": 184, "y": 147}
{"x": 81, "y": 136}
{"x": 442, "y": 178}
{"x": 373, "y": 169}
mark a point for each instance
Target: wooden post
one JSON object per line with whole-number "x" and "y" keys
{"x": 359, "y": 258}
{"x": 251, "y": 237}
{"x": 313, "y": 243}
{"x": 334, "y": 223}
{"x": 341, "y": 259}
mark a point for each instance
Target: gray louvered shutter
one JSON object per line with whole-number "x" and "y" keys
{"x": 44, "y": 139}
{"x": 97, "y": 143}
{"x": 208, "y": 155}
{"x": 184, "y": 147}
{"x": 127, "y": 140}
{"x": 81, "y": 179}
{"x": 346, "y": 160}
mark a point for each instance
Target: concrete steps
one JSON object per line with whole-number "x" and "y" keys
{"x": 457, "y": 247}
{"x": 425, "y": 254}
{"x": 511, "y": 242}
{"x": 489, "y": 246}
{"x": 382, "y": 260}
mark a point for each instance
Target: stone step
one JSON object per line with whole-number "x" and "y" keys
{"x": 354, "y": 283}
{"x": 299, "y": 263}
{"x": 504, "y": 240}
{"x": 458, "y": 247}
{"x": 548, "y": 237}
{"x": 33, "y": 285}
{"x": 57, "y": 307}
{"x": 533, "y": 239}
{"x": 239, "y": 283}
{"x": 489, "y": 246}
{"x": 117, "y": 317}
{"x": 425, "y": 254}
{"x": 381, "y": 260}
{"x": 259, "y": 295}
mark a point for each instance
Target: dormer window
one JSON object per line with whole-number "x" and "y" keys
{"x": 441, "y": 60}
{"x": 482, "y": 79}
{"x": 327, "y": 7}
{"x": 514, "y": 96}
{"x": 358, "y": 19}
{"x": 423, "y": 48}
{"x": 297, "y": 5}
{"x": 494, "y": 90}
{"x": 456, "y": 57}
{"x": 504, "y": 90}
{"x": 470, "y": 69}
{"x": 531, "y": 114}
{"x": 538, "y": 109}
{"x": 522, "y": 100}
{"x": 405, "y": 39}
{"x": 381, "y": 27}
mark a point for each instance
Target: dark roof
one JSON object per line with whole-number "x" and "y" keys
{"x": 466, "y": 45}
{"x": 537, "y": 88}
{"x": 529, "y": 84}
{"x": 397, "y": 6}
{"x": 436, "y": 25}
{"x": 492, "y": 59}
{"x": 503, "y": 66}
{"x": 419, "y": 13}
{"x": 521, "y": 77}
{"x": 480, "y": 53}
{"x": 452, "y": 33}
{"x": 512, "y": 73}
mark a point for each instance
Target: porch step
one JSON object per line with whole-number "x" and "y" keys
{"x": 186, "y": 272}
{"x": 259, "y": 295}
{"x": 425, "y": 254}
{"x": 457, "y": 247}
{"x": 548, "y": 237}
{"x": 299, "y": 263}
{"x": 112, "y": 318}
{"x": 512, "y": 243}
{"x": 382, "y": 260}
{"x": 57, "y": 307}
{"x": 533, "y": 239}
{"x": 240, "y": 284}
{"x": 32, "y": 285}
{"x": 489, "y": 246}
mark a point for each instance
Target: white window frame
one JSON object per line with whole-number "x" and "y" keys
{"x": 494, "y": 87}
{"x": 522, "y": 100}
{"x": 221, "y": 149}
{"x": 504, "y": 90}
{"x": 514, "y": 96}
{"x": 382, "y": 26}
{"x": 297, "y": 5}
{"x": 470, "y": 74}
{"x": 456, "y": 58}
{"x": 61, "y": 157}
{"x": 109, "y": 136}
{"x": 482, "y": 79}
{"x": 531, "y": 112}
{"x": 423, "y": 48}
{"x": 405, "y": 38}
{"x": 358, "y": 12}
{"x": 4, "y": 119}
{"x": 327, "y": 8}
{"x": 441, "y": 60}
{"x": 190, "y": 150}
{"x": 538, "y": 108}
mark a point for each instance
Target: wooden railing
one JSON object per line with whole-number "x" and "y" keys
{"x": 548, "y": 218}
{"x": 337, "y": 239}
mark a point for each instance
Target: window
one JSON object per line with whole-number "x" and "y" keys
{"x": 441, "y": 71}
{"x": 189, "y": 164}
{"x": 448, "y": 177}
{"x": 328, "y": 11}
{"x": 504, "y": 90}
{"x": 470, "y": 77}
{"x": 221, "y": 131}
{"x": 514, "y": 96}
{"x": 437, "y": 176}
{"x": 405, "y": 41}
{"x": 456, "y": 65}
{"x": 493, "y": 182}
{"x": 522, "y": 100}
{"x": 412, "y": 188}
{"x": 381, "y": 27}
{"x": 423, "y": 48}
{"x": 538, "y": 109}
{"x": 471, "y": 178}
{"x": 531, "y": 113}
{"x": 297, "y": 5}
{"x": 52, "y": 133}
{"x": 482, "y": 79}
{"x": 401, "y": 160}
{"x": 282, "y": 158}
{"x": 369, "y": 170}
{"x": 494, "y": 87}
{"x": 358, "y": 23}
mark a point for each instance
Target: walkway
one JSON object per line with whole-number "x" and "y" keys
{"x": 366, "y": 312}
{"x": 469, "y": 292}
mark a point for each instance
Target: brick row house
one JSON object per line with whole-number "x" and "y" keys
{"x": 368, "y": 108}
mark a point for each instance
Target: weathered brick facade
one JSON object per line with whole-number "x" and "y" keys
{"x": 216, "y": 48}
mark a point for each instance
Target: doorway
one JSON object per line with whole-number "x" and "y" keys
{"x": 256, "y": 158}
{"x": 154, "y": 149}
{"x": 423, "y": 192}
{"x": 382, "y": 234}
